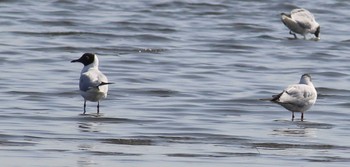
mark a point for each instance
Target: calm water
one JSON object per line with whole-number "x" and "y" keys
{"x": 188, "y": 76}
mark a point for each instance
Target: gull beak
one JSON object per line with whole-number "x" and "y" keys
{"x": 73, "y": 61}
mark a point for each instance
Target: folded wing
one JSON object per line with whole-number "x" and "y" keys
{"x": 91, "y": 81}
{"x": 297, "y": 94}
{"x": 303, "y": 18}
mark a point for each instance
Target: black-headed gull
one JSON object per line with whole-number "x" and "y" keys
{"x": 301, "y": 21}
{"x": 298, "y": 97}
{"x": 93, "y": 84}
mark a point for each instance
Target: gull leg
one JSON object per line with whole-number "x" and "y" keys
{"x": 295, "y": 36}
{"x": 84, "y": 106}
{"x": 292, "y": 116}
{"x": 302, "y": 116}
{"x": 98, "y": 107}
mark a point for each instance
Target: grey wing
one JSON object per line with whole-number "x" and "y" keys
{"x": 294, "y": 91}
{"x": 303, "y": 24}
{"x": 303, "y": 17}
{"x": 300, "y": 92}
{"x": 86, "y": 83}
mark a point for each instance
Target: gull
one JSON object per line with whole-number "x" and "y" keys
{"x": 301, "y": 21}
{"x": 297, "y": 97}
{"x": 93, "y": 84}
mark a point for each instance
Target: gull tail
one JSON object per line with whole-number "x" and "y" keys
{"x": 103, "y": 83}
{"x": 274, "y": 98}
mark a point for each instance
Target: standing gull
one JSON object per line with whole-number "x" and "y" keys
{"x": 298, "y": 97}
{"x": 93, "y": 84}
{"x": 301, "y": 21}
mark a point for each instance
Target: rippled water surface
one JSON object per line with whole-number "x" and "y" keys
{"x": 188, "y": 76}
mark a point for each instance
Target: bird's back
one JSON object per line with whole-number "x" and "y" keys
{"x": 304, "y": 19}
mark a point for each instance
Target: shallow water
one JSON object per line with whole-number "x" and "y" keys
{"x": 188, "y": 76}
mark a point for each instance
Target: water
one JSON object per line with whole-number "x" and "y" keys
{"x": 188, "y": 76}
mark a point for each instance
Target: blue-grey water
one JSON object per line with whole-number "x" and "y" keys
{"x": 188, "y": 76}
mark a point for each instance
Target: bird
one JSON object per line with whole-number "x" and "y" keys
{"x": 301, "y": 21}
{"x": 297, "y": 97}
{"x": 93, "y": 84}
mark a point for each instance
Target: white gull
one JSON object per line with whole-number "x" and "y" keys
{"x": 93, "y": 84}
{"x": 301, "y": 21}
{"x": 297, "y": 97}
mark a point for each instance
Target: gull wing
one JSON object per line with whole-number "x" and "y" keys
{"x": 87, "y": 82}
{"x": 303, "y": 18}
{"x": 297, "y": 93}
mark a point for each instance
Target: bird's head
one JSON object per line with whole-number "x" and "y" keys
{"x": 87, "y": 59}
{"x": 317, "y": 32}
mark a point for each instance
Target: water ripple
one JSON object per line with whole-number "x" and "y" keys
{"x": 188, "y": 76}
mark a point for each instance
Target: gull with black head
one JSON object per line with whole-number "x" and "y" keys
{"x": 93, "y": 84}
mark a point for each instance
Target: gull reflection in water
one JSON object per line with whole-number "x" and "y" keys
{"x": 300, "y": 129}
